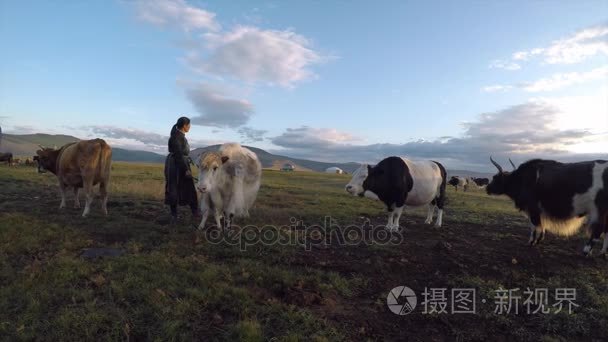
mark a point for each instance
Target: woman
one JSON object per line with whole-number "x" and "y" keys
{"x": 179, "y": 187}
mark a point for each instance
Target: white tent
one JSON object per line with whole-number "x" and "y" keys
{"x": 334, "y": 169}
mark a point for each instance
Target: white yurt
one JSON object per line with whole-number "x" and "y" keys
{"x": 334, "y": 169}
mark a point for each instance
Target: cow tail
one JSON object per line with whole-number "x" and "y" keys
{"x": 105, "y": 161}
{"x": 440, "y": 200}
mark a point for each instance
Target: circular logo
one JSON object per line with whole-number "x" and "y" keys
{"x": 401, "y": 300}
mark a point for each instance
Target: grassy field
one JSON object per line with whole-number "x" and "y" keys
{"x": 173, "y": 283}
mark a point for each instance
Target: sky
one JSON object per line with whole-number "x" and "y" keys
{"x": 333, "y": 81}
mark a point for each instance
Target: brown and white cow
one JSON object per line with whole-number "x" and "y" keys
{"x": 82, "y": 164}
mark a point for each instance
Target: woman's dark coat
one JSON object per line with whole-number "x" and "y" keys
{"x": 179, "y": 189}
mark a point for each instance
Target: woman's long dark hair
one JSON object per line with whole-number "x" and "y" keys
{"x": 181, "y": 122}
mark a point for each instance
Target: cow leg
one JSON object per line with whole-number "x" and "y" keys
{"x": 103, "y": 191}
{"x": 439, "y": 202}
{"x": 396, "y": 217}
{"x": 88, "y": 190}
{"x": 76, "y": 199}
{"x": 439, "y": 221}
{"x": 62, "y": 188}
{"x": 218, "y": 218}
{"x": 537, "y": 232}
{"x": 228, "y": 216}
{"x": 605, "y": 246}
{"x": 204, "y": 209}
{"x": 596, "y": 231}
{"x": 389, "y": 225}
{"x": 204, "y": 219}
{"x": 430, "y": 213}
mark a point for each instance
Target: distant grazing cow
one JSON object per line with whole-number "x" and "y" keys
{"x": 399, "y": 182}
{"x": 559, "y": 197}
{"x": 229, "y": 180}
{"x": 6, "y": 157}
{"x": 458, "y": 181}
{"x": 16, "y": 161}
{"x": 481, "y": 182}
{"x": 82, "y": 164}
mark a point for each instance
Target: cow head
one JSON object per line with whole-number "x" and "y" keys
{"x": 210, "y": 167}
{"x": 498, "y": 185}
{"x": 362, "y": 183}
{"x": 47, "y": 159}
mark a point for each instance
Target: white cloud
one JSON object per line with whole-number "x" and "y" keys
{"x": 309, "y": 137}
{"x": 573, "y": 49}
{"x": 145, "y": 137}
{"x": 554, "y": 82}
{"x": 503, "y": 64}
{"x": 562, "y": 80}
{"x": 496, "y": 88}
{"x": 578, "y": 47}
{"x": 176, "y": 13}
{"x": 136, "y": 139}
{"x": 529, "y": 130}
{"x": 525, "y": 55}
{"x": 253, "y": 55}
{"x": 216, "y": 107}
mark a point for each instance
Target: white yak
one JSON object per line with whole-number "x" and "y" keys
{"x": 229, "y": 180}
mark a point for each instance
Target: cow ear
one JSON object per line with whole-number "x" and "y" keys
{"x": 225, "y": 159}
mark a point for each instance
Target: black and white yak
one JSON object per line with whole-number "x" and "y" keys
{"x": 458, "y": 181}
{"x": 400, "y": 182}
{"x": 558, "y": 197}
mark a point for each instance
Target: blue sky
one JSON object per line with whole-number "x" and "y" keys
{"x": 327, "y": 80}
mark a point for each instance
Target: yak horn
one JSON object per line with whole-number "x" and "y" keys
{"x": 496, "y": 164}
{"x": 41, "y": 147}
{"x": 510, "y": 161}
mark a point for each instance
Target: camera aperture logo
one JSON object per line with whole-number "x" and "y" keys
{"x": 401, "y": 300}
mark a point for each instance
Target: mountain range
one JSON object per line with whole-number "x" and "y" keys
{"x": 27, "y": 144}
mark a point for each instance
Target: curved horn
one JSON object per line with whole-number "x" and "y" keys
{"x": 41, "y": 147}
{"x": 510, "y": 161}
{"x": 496, "y": 164}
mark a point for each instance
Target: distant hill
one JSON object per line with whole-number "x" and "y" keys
{"x": 275, "y": 162}
{"x": 27, "y": 144}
